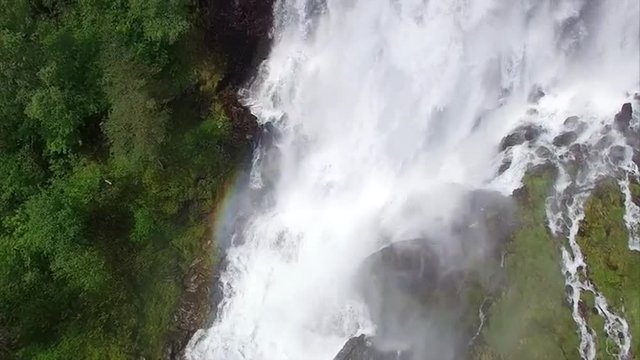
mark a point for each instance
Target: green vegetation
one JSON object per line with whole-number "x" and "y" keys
{"x": 530, "y": 318}
{"x": 614, "y": 269}
{"x": 112, "y": 149}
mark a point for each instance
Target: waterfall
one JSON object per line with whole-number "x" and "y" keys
{"x": 382, "y": 114}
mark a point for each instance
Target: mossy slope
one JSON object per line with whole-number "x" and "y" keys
{"x": 613, "y": 268}
{"x": 530, "y": 318}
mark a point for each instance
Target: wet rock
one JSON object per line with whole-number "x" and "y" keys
{"x": 543, "y": 152}
{"x": 579, "y": 153}
{"x": 243, "y": 123}
{"x": 571, "y": 121}
{"x": 511, "y": 140}
{"x": 535, "y": 95}
{"x": 363, "y": 348}
{"x": 506, "y": 164}
{"x": 192, "y": 311}
{"x": 410, "y": 287}
{"x": 531, "y": 133}
{"x": 622, "y": 119}
{"x": 401, "y": 285}
{"x": 406, "y": 267}
{"x": 241, "y": 30}
{"x": 636, "y": 157}
{"x": 574, "y": 123}
{"x": 582, "y": 309}
{"x": 635, "y": 199}
{"x": 617, "y": 154}
{"x": 565, "y": 139}
{"x": 568, "y": 289}
{"x": 268, "y": 135}
{"x": 604, "y": 142}
{"x": 520, "y": 135}
{"x": 632, "y": 138}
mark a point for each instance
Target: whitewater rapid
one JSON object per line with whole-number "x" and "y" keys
{"x": 381, "y": 113}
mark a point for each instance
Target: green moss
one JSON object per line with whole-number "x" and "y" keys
{"x": 530, "y": 318}
{"x": 614, "y": 269}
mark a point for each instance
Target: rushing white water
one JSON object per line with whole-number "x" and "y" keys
{"x": 380, "y": 106}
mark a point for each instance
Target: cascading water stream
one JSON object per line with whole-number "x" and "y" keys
{"x": 382, "y": 114}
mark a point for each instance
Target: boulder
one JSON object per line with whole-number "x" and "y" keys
{"x": 571, "y": 121}
{"x": 574, "y": 123}
{"x": 579, "y": 153}
{"x": 241, "y": 30}
{"x": 363, "y": 348}
{"x": 543, "y": 152}
{"x": 506, "y": 164}
{"x": 622, "y": 119}
{"x": 617, "y": 154}
{"x": 565, "y": 139}
{"x": 604, "y": 142}
{"x": 636, "y": 157}
{"x": 418, "y": 291}
{"x": 244, "y": 124}
{"x": 520, "y": 135}
{"x": 535, "y": 95}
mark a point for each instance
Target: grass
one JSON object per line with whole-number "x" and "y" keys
{"x": 614, "y": 269}
{"x": 530, "y": 318}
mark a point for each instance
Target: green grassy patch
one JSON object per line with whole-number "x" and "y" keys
{"x": 530, "y": 318}
{"x": 614, "y": 269}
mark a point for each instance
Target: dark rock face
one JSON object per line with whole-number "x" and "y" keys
{"x": 511, "y": 140}
{"x": 417, "y": 290}
{"x": 409, "y": 267}
{"x": 565, "y": 139}
{"x": 622, "y": 123}
{"x": 579, "y": 153}
{"x": 506, "y": 164}
{"x": 617, "y": 154}
{"x": 571, "y": 121}
{"x": 574, "y": 123}
{"x": 362, "y": 348}
{"x": 241, "y": 30}
{"x": 192, "y": 311}
{"x": 636, "y": 157}
{"x": 520, "y": 135}
{"x": 543, "y": 152}
{"x": 535, "y": 95}
{"x": 622, "y": 119}
{"x": 605, "y": 141}
{"x": 244, "y": 123}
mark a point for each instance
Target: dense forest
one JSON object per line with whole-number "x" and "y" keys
{"x": 114, "y": 144}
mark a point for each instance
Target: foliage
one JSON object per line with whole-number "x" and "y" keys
{"x": 530, "y": 318}
{"x": 613, "y": 268}
{"x": 112, "y": 149}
